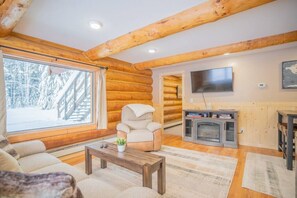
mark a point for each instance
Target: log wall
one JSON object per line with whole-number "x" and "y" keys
{"x": 125, "y": 88}
{"x": 172, "y": 104}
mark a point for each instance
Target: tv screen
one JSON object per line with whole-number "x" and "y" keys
{"x": 213, "y": 80}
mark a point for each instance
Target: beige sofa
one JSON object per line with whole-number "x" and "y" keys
{"x": 34, "y": 159}
{"x": 140, "y": 132}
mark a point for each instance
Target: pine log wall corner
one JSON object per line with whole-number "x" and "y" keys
{"x": 172, "y": 104}
{"x": 124, "y": 85}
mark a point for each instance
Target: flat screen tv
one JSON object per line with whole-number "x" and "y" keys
{"x": 213, "y": 80}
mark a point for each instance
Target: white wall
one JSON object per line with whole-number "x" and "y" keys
{"x": 257, "y": 107}
{"x": 249, "y": 70}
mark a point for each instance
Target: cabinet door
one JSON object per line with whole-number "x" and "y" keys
{"x": 188, "y": 128}
{"x": 230, "y": 131}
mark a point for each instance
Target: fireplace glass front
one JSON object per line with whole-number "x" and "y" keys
{"x": 208, "y": 131}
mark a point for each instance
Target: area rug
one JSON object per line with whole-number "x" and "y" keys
{"x": 188, "y": 174}
{"x": 268, "y": 175}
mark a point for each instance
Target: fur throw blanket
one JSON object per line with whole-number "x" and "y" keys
{"x": 22, "y": 185}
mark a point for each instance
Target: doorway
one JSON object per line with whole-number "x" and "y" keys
{"x": 172, "y": 97}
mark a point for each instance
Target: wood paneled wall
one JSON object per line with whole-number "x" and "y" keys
{"x": 172, "y": 104}
{"x": 124, "y": 85}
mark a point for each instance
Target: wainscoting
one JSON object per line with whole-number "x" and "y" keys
{"x": 258, "y": 120}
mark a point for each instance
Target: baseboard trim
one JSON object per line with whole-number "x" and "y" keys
{"x": 171, "y": 125}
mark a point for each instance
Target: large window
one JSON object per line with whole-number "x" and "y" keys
{"x": 43, "y": 96}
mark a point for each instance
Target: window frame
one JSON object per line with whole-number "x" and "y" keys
{"x": 59, "y": 130}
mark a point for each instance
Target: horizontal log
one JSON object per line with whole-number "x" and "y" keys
{"x": 169, "y": 90}
{"x": 114, "y": 116}
{"x": 131, "y": 87}
{"x": 176, "y": 78}
{"x": 170, "y": 96}
{"x": 130, "y": 69}
{"x": 112, "y": 125}
{"x": 123, "y": 76}
{"x": 206, "y": 12}
{"x": 121, "y": 95}
{"x": 68, "y": 139}
{"x": 118, "y": 105}
{"x": 172, "y": 109}
{"x": 43, "y": 47}
{"x": 217, "y": 51}
{"x": 172, "y": 102}
{"x": 171, "y": 117}
{"x": 171, "y": 83}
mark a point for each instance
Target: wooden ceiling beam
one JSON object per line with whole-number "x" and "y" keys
{"x": 217, "y": 51}
{"x": 11, "y": 12}
{"x": 207, "y": 12}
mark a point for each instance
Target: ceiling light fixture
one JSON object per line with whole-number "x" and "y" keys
{"x": 226, "y": 54}
{"x": 96, "y": 25}
{"x": 152, "y": 51}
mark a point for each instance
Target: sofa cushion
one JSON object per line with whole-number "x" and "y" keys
{"x": 37, "y": 161}
{"x": 135, "y": 192}
{"x": 29, "y": 147}
{"x": 62, "y": 167}
{"x": 93, "y": 188}
{"x": 141, "y": 135}
{"x": 7, "y": 147}
{"x": 8, "y": 163}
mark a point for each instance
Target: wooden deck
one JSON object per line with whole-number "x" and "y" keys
{"x": 236, "y": 191}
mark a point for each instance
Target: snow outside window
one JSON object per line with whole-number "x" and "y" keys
{"x": 43, "y": 96}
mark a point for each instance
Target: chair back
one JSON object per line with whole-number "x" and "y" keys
{"x": 130, "y": 119}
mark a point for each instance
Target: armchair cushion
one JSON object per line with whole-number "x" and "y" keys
{"x": 140, "y": 135}
{"x": 137, "y": 124}
{"x": 29, "y": 148}
{"x": 153, "y": 126}
{"x": 123, "y": 127}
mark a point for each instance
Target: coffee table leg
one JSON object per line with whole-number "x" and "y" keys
{"x": 162, "y": 178}
{"x": 103, "y": 163}
{"x": 88, "y": 160}
{"x": 147, "y": 176}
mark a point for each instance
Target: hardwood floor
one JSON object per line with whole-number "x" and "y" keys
{"x": 236, "y": 191}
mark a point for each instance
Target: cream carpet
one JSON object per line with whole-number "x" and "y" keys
{"x": 268, "y": 174}
{"x": 188, "y": 174}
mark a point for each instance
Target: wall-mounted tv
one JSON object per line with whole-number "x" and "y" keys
{"x": 213, "y": 80}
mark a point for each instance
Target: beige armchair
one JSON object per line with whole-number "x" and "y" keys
{"x": 140, "y": 132}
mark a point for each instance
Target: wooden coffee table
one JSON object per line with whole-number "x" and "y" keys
{"x": 132, "y": 159}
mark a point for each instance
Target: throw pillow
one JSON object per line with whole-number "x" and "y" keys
{"x": 6, "y": 146}
{"x": 62, "y": 185}
{"x": 8, "y": 163}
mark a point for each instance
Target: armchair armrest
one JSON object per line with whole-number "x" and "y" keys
{"x": 123, "y": 127}
{"x": 29, "y": 147}
{"x": 153, "y": 126}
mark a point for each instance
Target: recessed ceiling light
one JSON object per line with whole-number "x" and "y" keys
{"x": 226, "y": 54}
{"x": 152, "y": 51}
{"x": 96, "y": 25}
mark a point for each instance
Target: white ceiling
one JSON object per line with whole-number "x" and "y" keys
{"x": 66, "y": 22}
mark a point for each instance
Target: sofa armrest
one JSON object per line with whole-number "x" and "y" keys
{"x": 29, "y": 147}
{"x": 123, "y": 127}
{"x": 153, "y": 126}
